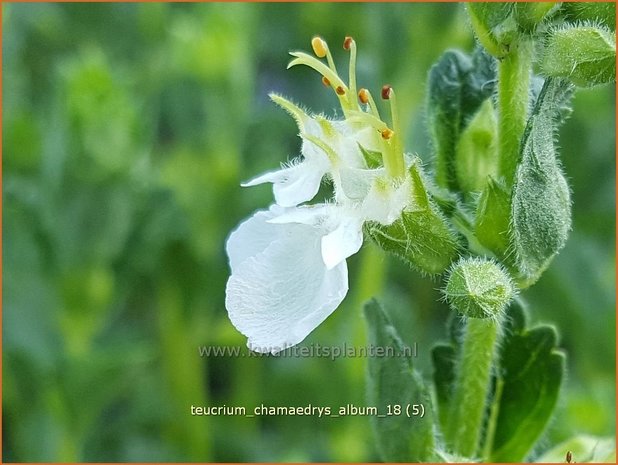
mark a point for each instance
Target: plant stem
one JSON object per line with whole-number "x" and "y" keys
{"x": 472, "y": 385}
{"x": 513, "y": 96}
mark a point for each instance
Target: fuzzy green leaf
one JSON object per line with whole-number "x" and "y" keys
{"x": 530, "y": 375}
{"x": 476, "y": 155}
{"x": 584, "y": 54}
{"x": 444, "y": 358}
{"x": 458, "y": 84}
{"x": 422, "y": 236}
{"x": 393, "y": 381}
{"x": 541, "y": 205}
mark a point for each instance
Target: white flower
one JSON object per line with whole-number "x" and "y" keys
{"x": 288, "y": 263}
{"x": 289, "y": 270}
{"x": 327, "y": 146}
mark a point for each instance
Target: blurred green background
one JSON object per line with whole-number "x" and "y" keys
{"x": 127, "y": 130}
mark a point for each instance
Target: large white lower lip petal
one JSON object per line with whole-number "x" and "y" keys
{"x": 277, "y": 297}
{"x": 344, "y": 241}
{"x": 252, "y": 236}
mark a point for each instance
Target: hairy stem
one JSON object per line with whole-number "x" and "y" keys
{"x": 472, "y": 385}
{"x": 513, "y": 96}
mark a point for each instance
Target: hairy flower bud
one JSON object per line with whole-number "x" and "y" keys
{"x": 478, "y": 288}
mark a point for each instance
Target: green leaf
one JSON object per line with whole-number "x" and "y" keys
{"x": 541, "y": 205}
{"x": 393, "y": 381}
{"x": 494, "y": 26}
{"x": 583, "y": 448}
{"x": 492, "y": 223}
{"x": 444, "y": 358}
{"x": 422, "y": 236}
{"x": 530, "y": 375}
{"x": 458, "y": 84}
{"x": 476, "y": 154}
{"x": 584, "y": 54}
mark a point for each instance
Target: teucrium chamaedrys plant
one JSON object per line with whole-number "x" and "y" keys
{"x": 490, "y": 218}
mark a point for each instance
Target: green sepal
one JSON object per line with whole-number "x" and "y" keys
{"x": 530, "y": 375}
{"x": 393, "y": 381}
{"x": 421, "y": 236}
{"x": 586, "y": 54}
{"x": 597, "y": 12}
{"x": 541, "y": 205}
{"x": 494, "y": 25}
{"x": 530, "y": 14}
{"x": 492, "y": 218}
{"x": 372, "y": 158}
{"x": 457, "y": 86}
{"x": 476, "y": 154}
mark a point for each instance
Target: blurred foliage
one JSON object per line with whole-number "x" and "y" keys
{"x": 127, "y": 130}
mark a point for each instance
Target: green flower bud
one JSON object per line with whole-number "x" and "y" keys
{"x": 494, "y": 25}
{"x": 492, "y": 218}
{"x": 541, "y": 205}
{"x": 584, "y": 54}
{"x": 476, "y": 155}
{"x": 478, "y": 288}
{"x": 529, "y": 14}
{"x": 422, "y": 236}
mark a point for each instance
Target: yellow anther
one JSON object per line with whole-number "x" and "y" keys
{"x": 319, "y": 47}
{"x": 363, "y": 96}
{"x": 387, "y": 133}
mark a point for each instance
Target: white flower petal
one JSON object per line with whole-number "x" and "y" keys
{"x": 270, "y": 176}
{"x": 277, "y": 297}
{"x": 252, "y": 236}
{"x": 294, "y": 185}
{"x": 313, "y": 215}
{"x": 356, "y": 182}
{"x": 301, "y": 186}
{"x": 344, "y": 241}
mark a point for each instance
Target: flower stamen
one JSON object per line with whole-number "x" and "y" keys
{"x": 319, "y": 46}
{"x": 365, "y": 97}
{"x": 350, "y": 44}
{"x": 387, "y": 133}
{"x": 395, "y": 154}
{"x": 301, "y": 58}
